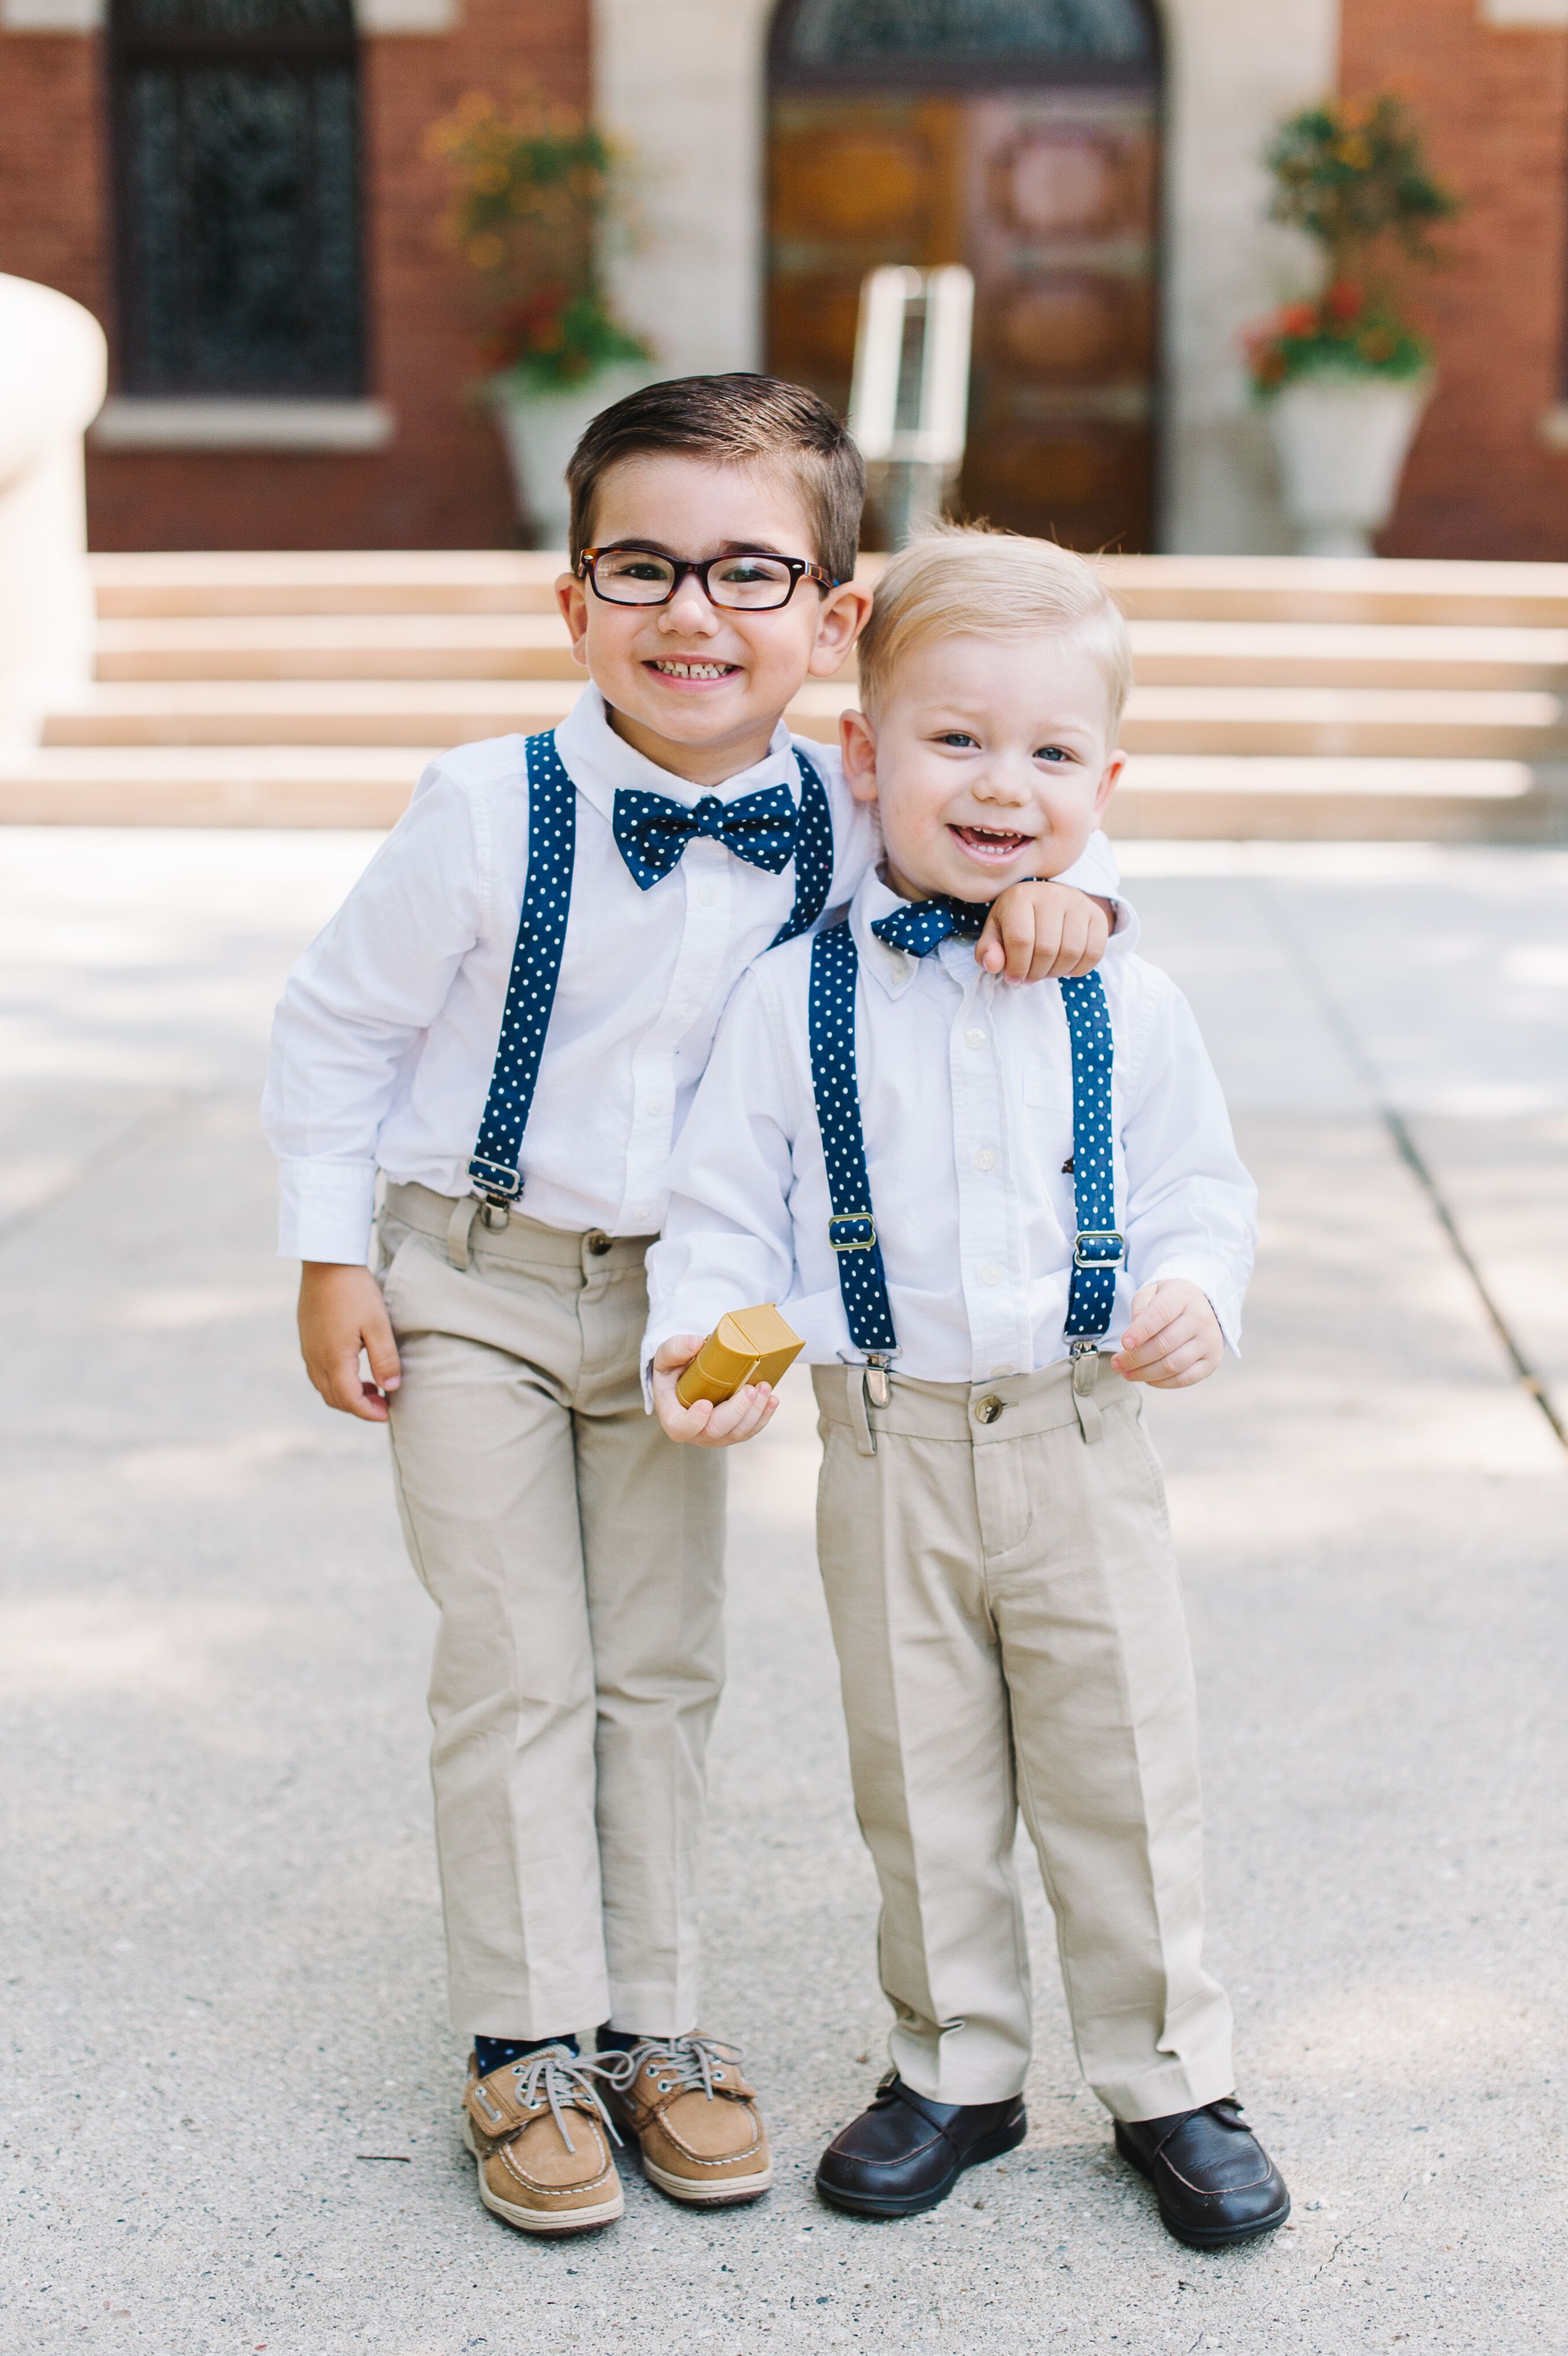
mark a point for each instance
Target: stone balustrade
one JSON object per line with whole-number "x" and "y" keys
{"x": 53, "y": 371}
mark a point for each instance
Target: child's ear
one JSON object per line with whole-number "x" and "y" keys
{"x": 572, "y": 599}
{"x": 845, "y": 612}
{"x": 1110, "y": 777}
{"x": 857, "y": 742}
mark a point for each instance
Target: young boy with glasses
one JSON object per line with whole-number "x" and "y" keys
{"x": 954, "y": 1191}
{"x": 508, "y": 1019}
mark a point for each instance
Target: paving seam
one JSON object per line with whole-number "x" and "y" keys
{"x": 1398, "y": 1134}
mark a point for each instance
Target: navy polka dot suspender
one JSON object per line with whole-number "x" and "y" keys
{"x": 1098, "y": 1249}
{"x": 535, "y": 971}
{"x": 852, "y": 1230}
{"x": 813, "y": 857}
{"x": 542, "y": 938}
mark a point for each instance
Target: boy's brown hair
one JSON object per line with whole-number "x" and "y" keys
{"x": 959, "y": 581}
{"x": 736, "y": 420}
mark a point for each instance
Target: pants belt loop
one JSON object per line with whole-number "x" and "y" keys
{"x": 1085, "y": 1362}
{"x": 458, "y": 1229}
{"x": 859, "y": 1413}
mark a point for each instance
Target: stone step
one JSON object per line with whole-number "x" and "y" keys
{"x": 1225, "y": 798}
{"x": 1345, "y": 654}
{"x": 535, "y": 645}
{"x": 1247, "y": 798}
{"x": 503, "y": 580}
{"x": 1306, "y": 721}
{"x": 373, "y": 581}
{"x": 1376, "y": 723}
{"x": 337, "y": 646}
{"x": 212, "y": 784}
{"x": 1376, "y": 589}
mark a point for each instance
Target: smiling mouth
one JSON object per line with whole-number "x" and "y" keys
{"x": 671, "y": 666}
{"x": 993, "y": 842}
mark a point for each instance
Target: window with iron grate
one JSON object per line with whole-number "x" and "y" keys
{"x": 237, "y": 139}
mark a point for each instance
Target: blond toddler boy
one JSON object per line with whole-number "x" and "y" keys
{"x": 953, "y": 1190}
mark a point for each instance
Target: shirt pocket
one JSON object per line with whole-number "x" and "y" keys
{"x": 1048, "y": 1090}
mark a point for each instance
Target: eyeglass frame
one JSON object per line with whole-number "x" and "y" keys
{"x": 801, "y": 569}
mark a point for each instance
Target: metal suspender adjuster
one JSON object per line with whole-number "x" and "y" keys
{"x": 853, "y": 1231}
{"x": 494, "y": 1181}
{"x": 1107, "y": 1248}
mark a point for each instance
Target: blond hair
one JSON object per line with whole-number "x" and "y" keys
{"x": 958, "y": 581}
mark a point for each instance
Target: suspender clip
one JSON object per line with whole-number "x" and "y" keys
{"x": 1083, "y": 1352}
{"x": 853, "y": 1231}
{"x": 494, "y": 1181}
{"x": 878, "y": 1386}
{"x": 1098, "y": 1248}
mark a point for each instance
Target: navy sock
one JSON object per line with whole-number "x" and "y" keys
{"x": 494, "y": 2053}
{"x": 621, "y": 2041}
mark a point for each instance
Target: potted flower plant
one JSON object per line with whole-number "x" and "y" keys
{"x": 538, "y": 190}
{"x": 1344, "y": 376}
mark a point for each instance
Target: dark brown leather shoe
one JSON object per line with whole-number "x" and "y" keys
{"x": 905, "y": 2153}
{"x": 1214, "y": 2181}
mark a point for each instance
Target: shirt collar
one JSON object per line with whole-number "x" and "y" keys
{"x": 600, "y": 764}
{"x": 894, "y": 969}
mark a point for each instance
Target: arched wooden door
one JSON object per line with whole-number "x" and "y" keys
{"x": 1020, "y": 137}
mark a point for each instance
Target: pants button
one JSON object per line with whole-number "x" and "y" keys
{"x": 598, "y": 1242}
{"x": 987, "y": 1409}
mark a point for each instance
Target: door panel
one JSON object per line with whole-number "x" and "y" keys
{"x": 1050, "y": 197}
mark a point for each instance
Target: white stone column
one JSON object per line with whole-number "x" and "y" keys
{"x": 1233, "y": 71}
{"x": 684, "y": 82}
{"x": 53, "y": 369}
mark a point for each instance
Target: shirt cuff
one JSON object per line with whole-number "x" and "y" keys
{"x": 326, "y": 1211}
{"x": 1219, "y": 1288}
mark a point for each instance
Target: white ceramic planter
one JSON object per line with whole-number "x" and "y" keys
{"x": 541, "y": 430}
{"x": 1341, "y": 441}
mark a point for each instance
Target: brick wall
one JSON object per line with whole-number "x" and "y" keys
{"x": 1493, "y": 102}
{"x": 442, "y": 482}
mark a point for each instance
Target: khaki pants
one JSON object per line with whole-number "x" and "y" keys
{"x": 577, "y": 1556}
{"x": 1006, "y": 1607}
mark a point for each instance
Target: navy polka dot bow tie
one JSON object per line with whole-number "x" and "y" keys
{"x": 922, "y": 926}
{"x": 651, "y": 831}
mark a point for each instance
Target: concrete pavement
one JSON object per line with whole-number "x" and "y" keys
{"x": 230, "y": 2108}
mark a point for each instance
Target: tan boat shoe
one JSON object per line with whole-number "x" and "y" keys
{"x": 538, "y": 2129}
{"x": 695, "y": 2117}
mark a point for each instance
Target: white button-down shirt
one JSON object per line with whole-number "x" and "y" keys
{"x": 386, "y": 1035}
{"x": 966, "y": 1100}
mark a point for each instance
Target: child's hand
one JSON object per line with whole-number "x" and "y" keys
{"x": 1173, "y": 1338}
{"x": 341, "y": 1312}
{"x": 1044, "y": 932}
{"x": 749, "y": 1411}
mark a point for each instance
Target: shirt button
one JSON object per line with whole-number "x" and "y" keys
{"x": 709, "y": 894}
{"x": 975, "y": 1038}
{"x": 991, "y": 1273}
{"x": 987, "y": 1157}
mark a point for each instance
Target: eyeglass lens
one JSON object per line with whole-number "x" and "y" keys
{"x": 632, "y": 576}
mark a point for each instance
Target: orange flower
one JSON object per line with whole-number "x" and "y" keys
{"x": 1344, "y": 301}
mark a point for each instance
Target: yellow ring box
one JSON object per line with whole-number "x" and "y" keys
{"x": 749, "y": 1346}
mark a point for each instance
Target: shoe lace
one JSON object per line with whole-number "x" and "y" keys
{"x": 688, "y": 2062}
{"x": 558, "y": 2078}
